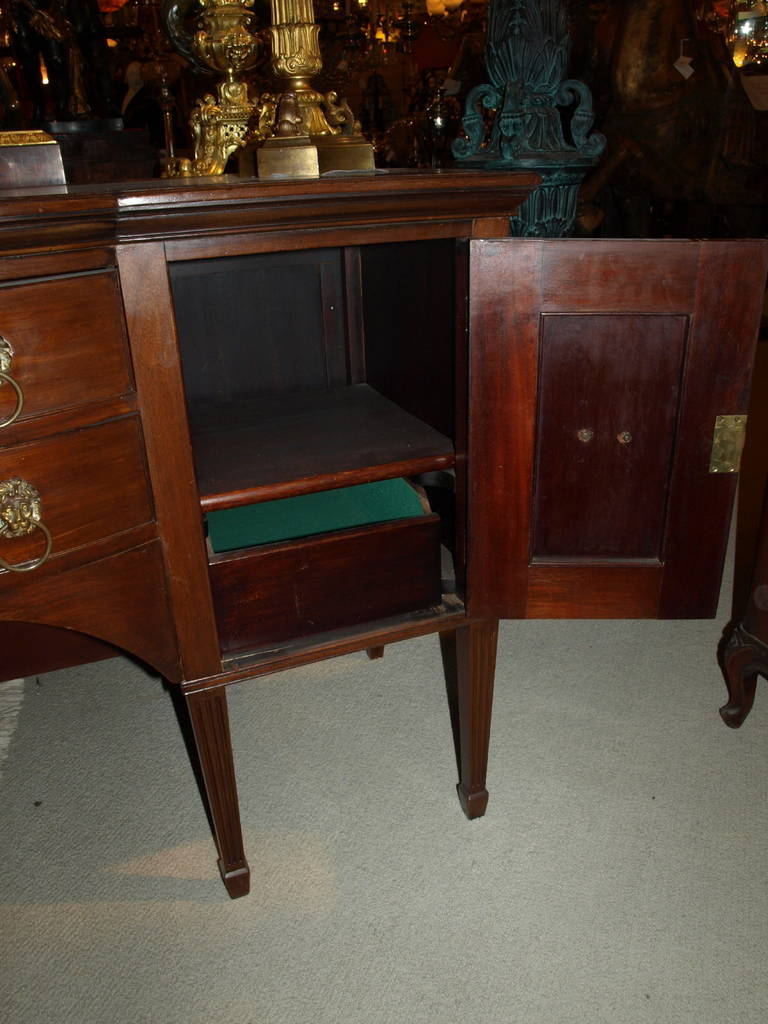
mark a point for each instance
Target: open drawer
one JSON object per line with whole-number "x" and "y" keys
{"x": 296, "y": 586}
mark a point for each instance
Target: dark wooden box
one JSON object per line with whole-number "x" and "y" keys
{"x": 295, "y": 588}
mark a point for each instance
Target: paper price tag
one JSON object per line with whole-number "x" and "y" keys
{"x": 683, "y": 65}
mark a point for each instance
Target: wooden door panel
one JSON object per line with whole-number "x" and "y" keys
{"x": 585, "y": 591}
{"x": 596, "y": 372}
{"x": 718, "y": 375}
{"x": 606, "y": 275}
{"x": 607, "y": 412}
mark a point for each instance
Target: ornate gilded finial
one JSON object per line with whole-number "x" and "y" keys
{"x": 526, "y": 53}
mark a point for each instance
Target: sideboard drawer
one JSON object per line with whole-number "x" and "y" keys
{"x": 64, "y": 344}
{"x": 282, "y": 591}
{"x": 91, "y": 483}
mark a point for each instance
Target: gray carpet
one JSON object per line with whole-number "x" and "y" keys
{"x": 618, "y": 876}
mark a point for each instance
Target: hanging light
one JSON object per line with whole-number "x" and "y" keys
{"x": 748, "y": 33}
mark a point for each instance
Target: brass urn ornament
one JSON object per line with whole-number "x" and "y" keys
{"x": 223, "y": 43}
{"x": 322, "y": 135}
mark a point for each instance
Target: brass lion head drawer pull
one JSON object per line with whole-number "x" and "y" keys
{"x": 6, "y": 362}
{"x": 19, "y": 516}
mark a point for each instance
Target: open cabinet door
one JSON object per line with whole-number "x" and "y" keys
{"x": 597, "y": 372}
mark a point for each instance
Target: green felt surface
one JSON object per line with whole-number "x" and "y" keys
{"x": 308, "y": 514}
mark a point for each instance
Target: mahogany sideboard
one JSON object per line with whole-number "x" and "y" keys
{"x": 176, "y": 350}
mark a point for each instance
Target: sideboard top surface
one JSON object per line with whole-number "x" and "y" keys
{"x": 80, "y": 216}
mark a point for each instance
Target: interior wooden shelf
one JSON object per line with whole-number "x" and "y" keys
{"x": 258, "y": 449}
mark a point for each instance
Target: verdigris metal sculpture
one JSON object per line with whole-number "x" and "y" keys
{"x": 542, "y": 120}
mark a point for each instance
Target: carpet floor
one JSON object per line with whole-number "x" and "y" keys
{"x": 619, "y": 875}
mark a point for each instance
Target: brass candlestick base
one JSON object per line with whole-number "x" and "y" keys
{"x": 325, "y": 123}
{"x": 344, "y": 153}
{"x": 293, "y": 152}
{"x": 287, "y": 158}
{"x": 219, "y": 129}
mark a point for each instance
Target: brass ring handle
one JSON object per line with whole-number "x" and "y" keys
{"x": 36, "y": 562}
{"x": 19, "y": 399}
{"x": 20, "y": 515}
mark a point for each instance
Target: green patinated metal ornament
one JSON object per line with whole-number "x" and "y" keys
{"x": 529, "y": 116}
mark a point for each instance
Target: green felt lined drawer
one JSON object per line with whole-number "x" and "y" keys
{"x": 308, "y": 514}
{"x": 278, "y": 592}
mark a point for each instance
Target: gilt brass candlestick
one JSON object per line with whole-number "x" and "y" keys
{"x": 329, "y": 125}
{"x": 225, "y": 43}
{"x": 296, "y": 58}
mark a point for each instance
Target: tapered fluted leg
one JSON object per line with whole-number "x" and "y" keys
{"x": 744, "y": 657}
{"x": 475, "y": 671}
{"x": 210, "y": 724}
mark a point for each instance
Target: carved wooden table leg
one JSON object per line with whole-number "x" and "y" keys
{"x": 210, "y": 724}
{"x": 744, "y": 658}
{"x": 475, "y": 670}
{"x": 745, "y": 654}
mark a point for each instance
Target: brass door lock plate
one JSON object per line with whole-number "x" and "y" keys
{"x": 727, "y": 444}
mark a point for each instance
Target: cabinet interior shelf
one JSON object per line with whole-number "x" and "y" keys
{"x": 276, "y": 446}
